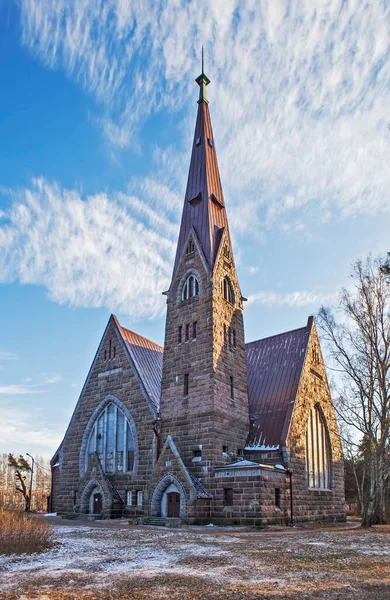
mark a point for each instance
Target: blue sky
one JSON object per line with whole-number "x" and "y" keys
{"x": 97, "y": 111}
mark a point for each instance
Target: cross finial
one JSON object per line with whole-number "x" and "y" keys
{"x": 202, "y": 81}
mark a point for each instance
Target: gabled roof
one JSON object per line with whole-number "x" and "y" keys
{"x": 274, "y": 367}
{"x": 147, "y": 360}
{"x": 204, "y": 205}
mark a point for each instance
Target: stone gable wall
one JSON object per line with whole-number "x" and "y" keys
{"x": 313, "y": 389}
{"x": 123, "y": 385}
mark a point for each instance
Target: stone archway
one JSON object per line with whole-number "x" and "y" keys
{"x": 92, "y": 488}
{"x": 167, "y": 486}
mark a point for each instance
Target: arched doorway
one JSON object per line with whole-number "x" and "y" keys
{"x": 92, "y": 499}
{"x": 168, "y": 499}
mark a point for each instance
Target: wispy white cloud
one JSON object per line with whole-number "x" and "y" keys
{"x": 293, "y": 299}
{"x": 16, "y": 389}
{"x": 301, "y": 90}
{"x": 8, "y": 355}
{"x": 51, "y": 377}
{"x": 112, "y": 251}
{"x": 19, "y": 434}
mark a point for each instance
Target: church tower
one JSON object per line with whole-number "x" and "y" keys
{"x": 204, "y": 403}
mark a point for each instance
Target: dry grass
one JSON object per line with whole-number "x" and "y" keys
{"x": 21, "y": 533}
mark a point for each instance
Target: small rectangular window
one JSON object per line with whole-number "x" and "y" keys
{"x": 197, "y": 453}
{"x": 228, "y": 496}
{"x": 185, "y": 391}
{"x": 231, "y": 387}
{"x": 187, "y": 332}
{"x": 230, "y": 336}
{"x": 105, "y": 355}
{"x": 139, "y": 498}
{"x": 225, "y": 333}
{"x": 109, "y": 351}
{"x": 180, "y": 334}
{"x": 114, "y": 351}
{"x": 239, "y": 452}
{"x": 225, "y": 449}
{"x": 234, "y": 338}
{"x": 129, "y": 498}
{"x": 194, "y": 330}
{"x": 277, "y": 497}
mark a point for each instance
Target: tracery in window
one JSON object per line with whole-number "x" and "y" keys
{"x": 190, "y": 288}
{"x": 111, "y": 437}
{"x": 227, "y": 290}
{"x": 318, "y": 451}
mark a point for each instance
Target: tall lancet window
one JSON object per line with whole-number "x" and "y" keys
{"x": 318, "y": 451}
{"x": 190, "y": 288}
{"x": 111, "y": 437}
{"x": 227, "y": 290}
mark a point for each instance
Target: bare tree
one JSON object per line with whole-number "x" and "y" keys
{"x": 21, "y": 468}
{"x": 359, "y": 343}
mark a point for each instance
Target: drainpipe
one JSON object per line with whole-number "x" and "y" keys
{"x": 291, "y": 498}
{"x": 156, "y": 431}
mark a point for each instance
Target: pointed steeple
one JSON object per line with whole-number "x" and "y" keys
{"x": 204, "y": 205}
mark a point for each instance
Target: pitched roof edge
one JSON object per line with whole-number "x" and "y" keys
{"x": 148, "y": 399}
{"x": 290, "y": 412}
{"x": 83, "y": 388}
{"x": 276, "y": 335}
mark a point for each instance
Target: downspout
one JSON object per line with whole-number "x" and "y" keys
{"x": 291, "y": 499}
{"x": 156, "y": 431}
{"x": 286, "y": 461}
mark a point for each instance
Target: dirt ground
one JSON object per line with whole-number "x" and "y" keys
{"x": 113, "y": 561}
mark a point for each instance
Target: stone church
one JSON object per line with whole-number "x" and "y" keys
{"x": 208, "y": 428}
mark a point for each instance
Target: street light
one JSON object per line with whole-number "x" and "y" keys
{"x": 31, "y": 481}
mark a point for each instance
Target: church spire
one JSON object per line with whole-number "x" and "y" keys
{"x": 204, "y": 205}
{"x": 202, "y": 80}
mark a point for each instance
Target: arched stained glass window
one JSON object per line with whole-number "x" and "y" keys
{"x": 111, "y": 437}
{"x": 318, "y": 451}
{"x": 190, "y": 288}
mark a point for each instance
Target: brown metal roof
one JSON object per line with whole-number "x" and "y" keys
{"x": 204, "y": 205}
{"x": 147, "y": 359}
{"x": 274, "y": 367}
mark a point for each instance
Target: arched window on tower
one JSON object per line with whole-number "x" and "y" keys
{"x": 227, "y": 290}
{"x": 190, "y": 288}
{"x": 318, "y": 451}
{"x": 111, "y": 438}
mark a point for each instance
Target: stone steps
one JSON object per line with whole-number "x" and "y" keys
{"x": 154, "y": 521}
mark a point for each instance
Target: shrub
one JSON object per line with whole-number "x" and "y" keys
{"x": 21, "y": 533}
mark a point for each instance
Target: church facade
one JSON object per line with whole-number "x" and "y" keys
{"x": 208, "y": 428}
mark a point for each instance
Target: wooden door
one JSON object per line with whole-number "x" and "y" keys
{"x": 173, "y": 504}
{"x": 97, "y": 504}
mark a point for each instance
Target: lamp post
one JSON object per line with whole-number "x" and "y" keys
{"x": 31, "y": 481}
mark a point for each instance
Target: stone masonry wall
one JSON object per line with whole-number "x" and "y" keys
{"x": 311, "y": 504}
{"x": 68, "y": 485}
{"x": 207, "y": 419}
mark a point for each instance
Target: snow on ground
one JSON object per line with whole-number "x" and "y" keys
{"x": 273, "y": 562}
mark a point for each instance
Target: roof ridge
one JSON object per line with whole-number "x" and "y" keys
{"x": 268, "y": 337}
{"x": 137, "y": 334}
